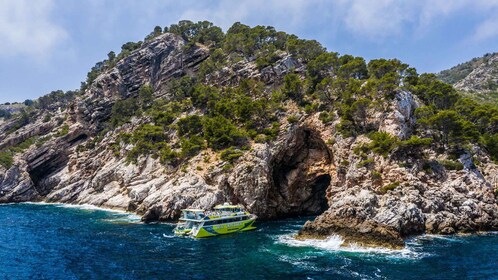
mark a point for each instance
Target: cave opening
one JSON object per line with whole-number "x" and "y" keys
{"x": 300, "y": 177}
{"x": 42, "y": 167}
{"x": 78, "y": 139}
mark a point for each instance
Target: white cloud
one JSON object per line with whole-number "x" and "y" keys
{"x": 226, "y": 12}
{"x": 486, "y": 30}
{"x": 26, "y": 28}
{"x": 381, "y": 19}
{"x": 376, "y": 19}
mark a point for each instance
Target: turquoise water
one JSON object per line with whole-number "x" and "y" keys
{"x": 59, "y": 242}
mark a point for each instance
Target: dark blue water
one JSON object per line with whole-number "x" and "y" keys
{"x": 56, "y": 242}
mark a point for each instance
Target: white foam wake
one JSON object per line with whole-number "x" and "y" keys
{"x": 336, "y": 243}
{"x": 121, "y": 215}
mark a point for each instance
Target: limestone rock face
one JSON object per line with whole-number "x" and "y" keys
{"x": 483, "y": 78}
{"x": 399, "y": 121}
{"x": 155, "y": 63}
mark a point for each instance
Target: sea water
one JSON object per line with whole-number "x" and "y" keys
{"x": 43, "y": 241}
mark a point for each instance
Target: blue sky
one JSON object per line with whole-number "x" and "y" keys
{"x": 51, "y": 44}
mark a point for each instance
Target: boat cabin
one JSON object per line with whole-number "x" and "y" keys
{"x": 228, "y": 208}
{"x": 192, "y": 214}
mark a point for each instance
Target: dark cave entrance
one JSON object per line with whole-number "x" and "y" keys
{"x": 42, "y": 167}
{"x": 300, "y": 177}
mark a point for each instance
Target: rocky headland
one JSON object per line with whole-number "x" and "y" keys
{"x": 375, "y": 175}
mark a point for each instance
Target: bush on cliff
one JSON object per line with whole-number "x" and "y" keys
{"x": 490, "y": 142}
{"x": 383, "y": 143}
{"x": 6, "y": 159}
{"x": 5, "y": 114}
{"x": 122, "y": 111}
{"x": 451, "y": 165}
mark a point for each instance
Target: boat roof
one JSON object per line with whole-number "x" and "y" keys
{"x": 221, "y": 206}
{"x": 193, "y": 210}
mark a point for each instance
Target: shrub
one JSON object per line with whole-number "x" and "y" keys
{"x": 221, "y": 132}
{"x": 43, "y": 140}
{"x": 63, "y": 132}
{"x": 148, "y": 139}
{"x": 260, "y": 138}
{"x": 310, "y": 108}
{"x": 5, "y": 114}
{"x": 227, "y": 166}
{"x": 346, "y": 128}
{"x": 190, "y": 125}
{"x": 191, "y": 146}
{"x": 231, "y": 154}
{"x": 331, "y": 141}
{"x": 272, "y": 132}
{"x": 325, "y": 117}
{"x": 21, "y": 147}
{"x": 47, "y": 118}
{"x": 382, "y": 143}
{"x": 376, "y": 176}
{"x": 145, "y": 95}
{"x": 365, "y": 163}
{"x": 345, "y": 162}
{"x": 429, "y": 166}
{"x": 389, "y": 187}
{"x": 293, "y": 119}
{"x": 6, "y": 159}
{"x": 415, "y": 142}
{"x": 166, "y": 155}
{"x": 123, "y": 110}
{"x": 293, "y": 87}
{"x": 491, "y": 144}
{"x": 451, "y": 165}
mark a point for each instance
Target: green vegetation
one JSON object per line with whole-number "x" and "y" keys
{"x": 63, "y": 131}
{"x": 22, "y": 119}
{"x": 451, "y": 165}
{"x": 389, "y": 187}
{"x": 293, "y": 119}
{"x": 21, "y": 147}
{"x": 5, "y": 114}
{"x": 6, "y": 159}
{"x": 7, "y": 155}
{"x": 123, "y": 110}
{"x": 231, "y": 154}
{"x": 382, "y": 143}
{"x": 376, "y": 176}
{"x": 415, "y": 142}
{"x": 55, "y": 99}
{"x": 366, "y": 163}
{"x": 413, "y": 146}
{"x": 457, "y": 73}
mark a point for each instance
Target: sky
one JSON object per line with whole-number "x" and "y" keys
{"x": 47, "y": 45}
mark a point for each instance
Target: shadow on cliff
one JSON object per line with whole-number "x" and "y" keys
{"x": 299, "y": 177}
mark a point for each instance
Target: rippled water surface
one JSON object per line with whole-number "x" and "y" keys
{"x": 60, "y": 242}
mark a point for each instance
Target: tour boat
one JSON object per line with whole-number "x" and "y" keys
{"x": 223, "y": 219}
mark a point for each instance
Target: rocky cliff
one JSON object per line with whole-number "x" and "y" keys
{"x": 309, "y": 167}
{"x": 477, "y": 78}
